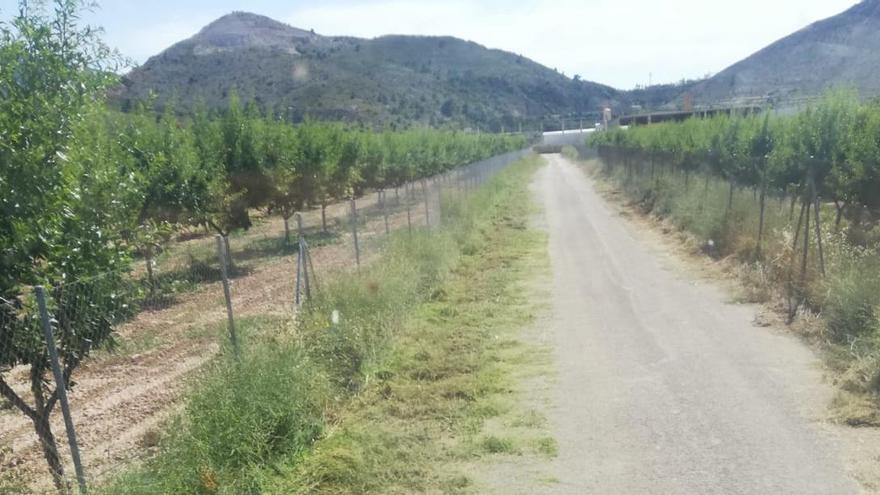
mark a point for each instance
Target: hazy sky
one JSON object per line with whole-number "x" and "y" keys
{"x": 616, "y": 42}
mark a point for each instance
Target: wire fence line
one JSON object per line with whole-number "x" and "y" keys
{"x": 123, "y": 342}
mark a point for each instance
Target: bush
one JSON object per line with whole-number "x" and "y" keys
{"x": 852, "y": 304}
{"x": 239, "y": 415}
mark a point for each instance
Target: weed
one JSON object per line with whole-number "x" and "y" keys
{"x": 547, "y": 446}
{"x": 497, "y": 445}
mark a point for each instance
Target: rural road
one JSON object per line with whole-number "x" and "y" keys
{"x": 665, "y": 387}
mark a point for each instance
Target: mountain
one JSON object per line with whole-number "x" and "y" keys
{"x": 390, "y": 80}
{"x": 843, "y": 50}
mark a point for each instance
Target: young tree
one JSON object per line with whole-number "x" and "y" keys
{"x": 760, "y": 148}
{"x": 319, "y": 152}
{"x": 59, "y": 199}
{"x": 281, "y": 161}
{"x": 221, "y": 206}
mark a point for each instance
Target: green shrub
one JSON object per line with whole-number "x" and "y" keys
{"x": 852, "y": 304}
{"x": 239, "y": 416}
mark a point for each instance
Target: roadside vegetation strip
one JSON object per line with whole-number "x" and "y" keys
{"x": 445, "y": 399}
{"x": 248, "y": 426}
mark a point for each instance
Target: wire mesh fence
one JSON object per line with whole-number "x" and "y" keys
{"x": 90, "y": 368}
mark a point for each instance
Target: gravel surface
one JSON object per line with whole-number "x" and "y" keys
{"x": 664, "y": 386}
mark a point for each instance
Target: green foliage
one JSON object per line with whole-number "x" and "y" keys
{"x": 852, "y": 304}
{"x": 84, "y": 188}
{"x": 835, "y": 144}
{"x": 242, "y": 417}
{"x": 63, "y": 199}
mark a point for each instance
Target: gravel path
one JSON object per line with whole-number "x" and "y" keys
{"x": 663, "y": 385}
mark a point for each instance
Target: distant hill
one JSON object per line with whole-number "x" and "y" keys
{"x": 841, "y": 50}
{"x": 395, "y": 80}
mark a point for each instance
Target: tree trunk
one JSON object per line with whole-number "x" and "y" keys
{"x": 385, "y": 213}
{"x": 323, "y": 217}
{"x": 792, "y": 307}
{"x": 286, "y": 231}
{"x": 229, "y": 261}
{"x": 49, "y": 446}
{"x": 839, "y": 216}
{"x": 806, "y": 245}
{"x": 43, "y": 429}
{"x": 761, "y": 207}
{"x": 148, "y": 260}
{"x": 729, "y": 200}
{"x": 705, "y": 193}
{"x": 818, "y": 230}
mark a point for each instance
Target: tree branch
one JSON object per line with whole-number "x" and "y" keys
{"x": 7, "y": 392}
{"x": 68, "y": 372}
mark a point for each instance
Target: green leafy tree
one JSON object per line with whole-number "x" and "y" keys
{"x": 61, "y": 200}
{"x": 282, "y": 161}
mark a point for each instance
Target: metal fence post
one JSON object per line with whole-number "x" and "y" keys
{"x": 312, "y": 279}
{"x": 222, "y": 256}
{"x": 297, "y": 299}
{"x": 61, "y": 387}
{"x": 304, "y": 251}
{"x": 407, "y": 196}
{"x": 385, "y": 213}
{"x": 299, "y": 261}
{"x": 440, "y": 204}
{"x": 427, "y": 210}
{"x": 354, "y": 232}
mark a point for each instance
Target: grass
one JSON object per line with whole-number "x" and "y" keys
{"x": 404, "y": 384}
{"x": 847, "y": 299}
{"x": 425, "y": 421}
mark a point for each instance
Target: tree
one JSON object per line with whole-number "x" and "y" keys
{"x": 760, "y": 148}
{"x": 60, "y": 202}
{"x": 281, "y": 159}
{"x": 319, "y": 160}
{"x": 221, "y": 206}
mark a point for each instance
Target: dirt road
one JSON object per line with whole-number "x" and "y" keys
{"x": 663, "y": 385}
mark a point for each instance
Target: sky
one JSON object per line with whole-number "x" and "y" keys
{"x": 622, "y": 43}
